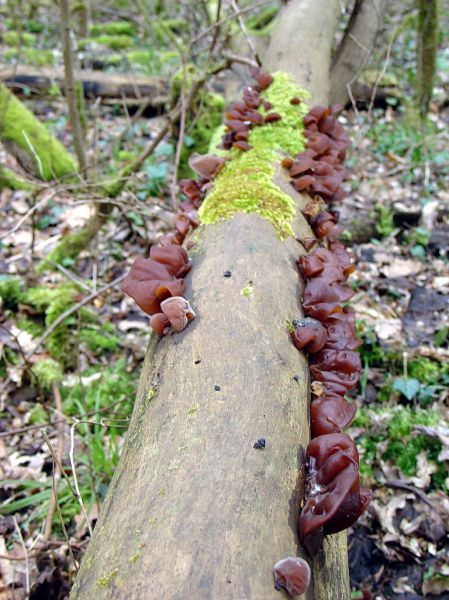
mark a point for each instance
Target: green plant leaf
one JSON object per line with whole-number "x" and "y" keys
{"x": 441, "y": 336}
{"x": 418, "y": 251}
{"x": 407, "y": 387}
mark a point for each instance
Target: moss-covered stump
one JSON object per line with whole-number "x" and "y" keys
{"x": 30, "y": 142}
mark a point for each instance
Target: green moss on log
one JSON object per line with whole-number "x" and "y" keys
{"x": 31, "y": 56}
{"x": 30, "y": 141}
{"x": 113, "y": 28}
{"x": 19, "y": 38}
{"x": 245, "y": 184}
{"x": 69, "y": 248}
{"x": 13, "y": 181}
{"x": 115, "y": 42}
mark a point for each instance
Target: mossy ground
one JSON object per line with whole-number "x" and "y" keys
{"x": 245, "y": 184}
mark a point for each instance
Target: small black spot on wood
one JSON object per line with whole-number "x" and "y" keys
{"x": 260, "y": 444}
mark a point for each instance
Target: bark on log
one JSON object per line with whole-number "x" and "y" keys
{"x": 302, "y": 42}
{"x": 194, "y": 511}
{"x": 126, "y": 88}
{"x": 355, "y": 49}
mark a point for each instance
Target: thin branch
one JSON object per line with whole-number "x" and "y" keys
{"x": 70, "y": 86}
{"x": 219, "y": 23}
{"x": 56, "y": 469}
{"x": 180, "y": 141}
{"x": 69, "y": 483}
{"x": 242, "y": 26}
{"x": 75, "y": 478}
{"x": 25, "y": 553}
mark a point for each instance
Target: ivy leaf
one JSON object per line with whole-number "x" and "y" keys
{"x": 407, "y": 387}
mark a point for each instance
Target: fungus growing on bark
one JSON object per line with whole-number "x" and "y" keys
{"x": 149, "y": 283}
{"x": 174, "y": 257}
{"x": 206, "y": 165}
{"x": 335, "y": 499}
{"x": 330, "y": 414}
{"x": 319, "y": 169}
{"x": 321, "y": 298}
{"x": 160, "y": 324}
{"x": 341, "y": 333}
{"x": 292, "y": 574}
{"x": 178, "y": 311}
{"x": 309, "y": 335}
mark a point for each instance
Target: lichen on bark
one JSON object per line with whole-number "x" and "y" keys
{"x": 245, "y": 183}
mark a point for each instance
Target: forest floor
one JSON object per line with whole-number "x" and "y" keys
{"x": 67, "y": 393}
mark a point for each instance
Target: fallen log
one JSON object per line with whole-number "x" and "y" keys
{"x": 96, "y": 84}
{"x": 196, "y": 509}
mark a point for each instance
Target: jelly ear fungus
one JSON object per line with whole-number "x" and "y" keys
{"x": 334, "y": 499}
{"x": 156, "y": 283}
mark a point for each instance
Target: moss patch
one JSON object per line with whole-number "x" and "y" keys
{"x": 47, "y": 372}
{"x": 69, "y": 248}
{"x": 106, "y": 580}
{"x": 210, "y": 107}
{"x": 32, "y": 56}
{"x": 10, "y": 179}
{"x": 113, "y": 28}
{"x": 115, "y": 42}
{"x": 245, "y": 184}
{"x": 394, "y": 430}
{"x": 20, "y": 129}
{"x": 19, "y": 38}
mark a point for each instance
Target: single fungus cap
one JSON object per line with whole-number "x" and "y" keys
{"x": 292, "y": 574}
{"x": 178, "y": 311}
{"x": 206, "y": 165}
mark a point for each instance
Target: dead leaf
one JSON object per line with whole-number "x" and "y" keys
{"x": 402, "y": 268}
{"x": 389, "y": 330}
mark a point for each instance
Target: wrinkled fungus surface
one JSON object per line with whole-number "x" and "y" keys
{"x": 334, "y": 498}
{"x": 292, "y": 574}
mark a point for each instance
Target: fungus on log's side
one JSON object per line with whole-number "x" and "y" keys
{"x": 156, "y": 283}
{"x": 309, "y": 335}
{"x": 292, "y": 574}
{"x": 178, "y": 311}
{"x": 334, "y": 498}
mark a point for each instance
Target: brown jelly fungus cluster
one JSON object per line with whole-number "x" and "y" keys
{"x": 320, "y": 170}
{"x": 156, "y": 283}
{"x": 243, "y": 116}
{"x": 334, "y": 498}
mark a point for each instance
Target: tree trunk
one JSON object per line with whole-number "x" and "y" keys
{"x": 302, "y": 42}
{"x": 355, "y": 49}
{"x": 194, "y": 511}
{"x": 427, "y": 52}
